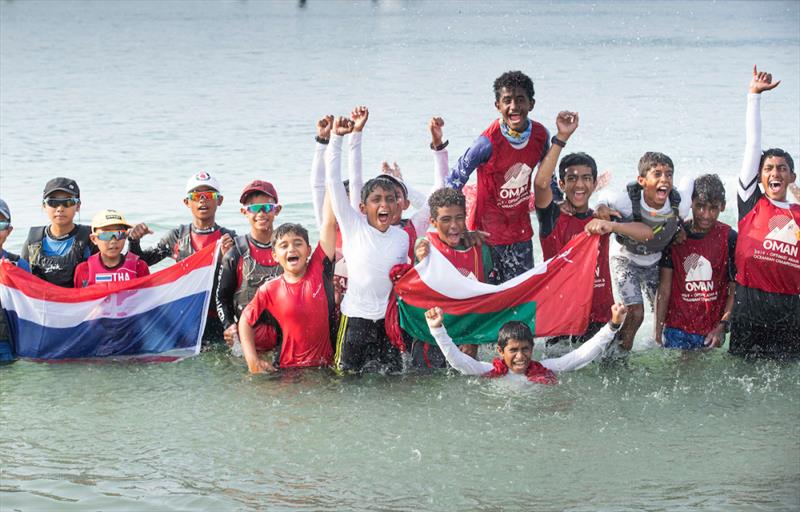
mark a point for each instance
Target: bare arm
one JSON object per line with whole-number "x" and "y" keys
{"x": 247, "y": 337}
{"x": 637, "y": 230}
{"x": 662, "y": 302}
{"x": 567, "y": 123}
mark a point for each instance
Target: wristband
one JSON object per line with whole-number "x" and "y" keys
{"x": 558, "y": 142}
{"x": 440, "y": 146}
{"x": 321, "y": 140}
{"x": 614, "y": 327}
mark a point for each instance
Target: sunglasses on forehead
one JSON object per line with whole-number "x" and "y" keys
{"x": 66, "y": 202}
{"x": 107, "y": 236}
{"x": 4, "y": 225}
{"x": 261, "y": 207}
{"x": 207, "y": 195}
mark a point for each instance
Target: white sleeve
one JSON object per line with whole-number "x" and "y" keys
{"x": 582, "y": 355}
{"x": 422, "y": 218}
{"x": 346, "y": 216}
{"x": 355, "y": 171}
{"x": 457, "y": 359}
{"x": 416, "y": 198}
{"x": 685, "y": 189}
{"x": 318, "y": 182}
{"x": 752, "y": 148}
{"x": 616, "y": 199}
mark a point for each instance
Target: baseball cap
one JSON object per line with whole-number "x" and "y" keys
{"x": 396, "y": 181}
{"x": 264, "y": 187}
{"x": 5, "y": 210}
{"x": 109, "y": 218}
{"x": 64, "y": 184}
{"x": 202, "y": 179}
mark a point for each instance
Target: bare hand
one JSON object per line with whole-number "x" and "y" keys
{"x": 605, "y": 213}
{"x": 435, "y": 125}
{"x": 434, "y": 317}
{"x": 228, "y": 334}
{"x": 226, "y": 244}
{"x": 475, "y": 238}
{"x": 566, "y": 123}
{"x": 603, "y": 180}
{"x": 618, "y": 313}
{"x": 324, "y": 126}
{"x": 659, "y": 337}
{"x": 680, "y": 236}
{"x": 567, "y": 208}
{"x": 359, "y": 116}
{"x": 762, "y": 81}
{"x": 391, "y": 170}
{"x": 260, "y": 366}
{"x": 716, "y": 337}
{"x": 138, "y": 231}
{"x": 422, "y": 249}
{"x": 599, "y": 227}
{"x": 342, "y": 126}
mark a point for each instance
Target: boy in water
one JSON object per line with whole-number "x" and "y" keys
{"x": 504, "y": 156}
{"x": 109, "y": 265}
{"x": 766, "y": 318}
{"x": 652, "y": 201}
{"x": 55, "y": 250}
{"x": 695, "y": 291}
{"x": 250, "y": 264}
{"x": 577, "y": 177}
{"x": 6, "y": 348}
{"x": 203, "y": 197}
{"x": 515, "y": 350}
{"x": 301, "y": 299}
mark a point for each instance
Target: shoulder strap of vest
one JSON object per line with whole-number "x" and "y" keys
{"x": 675, "y": 201}
{"x": 242, "y": 246}
{"x": 36, "y": 234}
{"x": 635, "y": 195}
{"x": 13, "y": 258}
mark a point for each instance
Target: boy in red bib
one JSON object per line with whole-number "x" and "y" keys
{"x": 109, "y": 265}
{"x": 695, "y": 292}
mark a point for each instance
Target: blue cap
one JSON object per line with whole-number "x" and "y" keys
{"x": 5, "y": 210}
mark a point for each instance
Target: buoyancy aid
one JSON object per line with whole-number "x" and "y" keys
{"x": 664, "y": 227}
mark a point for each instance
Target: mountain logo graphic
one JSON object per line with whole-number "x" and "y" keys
{"x": 783, "y": 229}
{"x": 697, "y": 268}
{"x": 518, "y": 176}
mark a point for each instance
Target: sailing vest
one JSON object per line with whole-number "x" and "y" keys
{"x": 468, "y": 261}
{"x": 99, "y": 273}
{"x": 664, "y": 227}
{"x": 58, "y": 270}
{"x": 699, "y": 282}
{"x": 767, "y": 248}
{"x": 504, "y": 186}
{"x": 251, "y": 273}
{"x": 190, "y": 242}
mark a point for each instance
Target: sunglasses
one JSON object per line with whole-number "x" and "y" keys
{"x": 261, "y": 207}
{"x": 107, "y": 236}
{"x": 67, "y": 202}
{"x": 208, "y": 196}
{"x": 4, "y": 225}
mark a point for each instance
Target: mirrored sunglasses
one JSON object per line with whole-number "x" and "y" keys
{"x": 107, "y": 236}
{"x": 66, "y": 202}
{"x": 261, "y": 207}
{"x": 207, "y": 195}
{"x": 4, "y": 225}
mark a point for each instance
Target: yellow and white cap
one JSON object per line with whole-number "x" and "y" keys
{"x": 109, "y": 218}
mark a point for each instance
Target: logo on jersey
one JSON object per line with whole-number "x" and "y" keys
{"x": 698, "y": 274}
{"x": 112, "y": 277}
{"x": 467, "y": 273}
{"x": 515, "y": 190}
{"x": 783, "y": 236}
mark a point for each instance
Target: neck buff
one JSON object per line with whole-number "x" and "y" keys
{"x": 513, "y": 136}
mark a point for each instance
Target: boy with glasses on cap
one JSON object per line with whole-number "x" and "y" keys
{"x": 55, "y": 250}
{"x": 249, "y": 265}
{"x": 203, "y": 197}
{"x": 6, "y": 348}
{"x": 109, "y": 265}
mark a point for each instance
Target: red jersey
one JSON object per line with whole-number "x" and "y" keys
{"x": 302, "y": 310}
{"x": 504, "y": 187}
{"x": 203, "y": 240}
{"x": 566, "y": 227}
{"x": 94, "y": 270}
{"x": 768, "y": 248}
{"x": 468, "y": 261}
{"x": 699, "y": 282}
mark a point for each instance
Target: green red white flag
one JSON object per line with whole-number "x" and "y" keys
{"x": 553, "y": 298}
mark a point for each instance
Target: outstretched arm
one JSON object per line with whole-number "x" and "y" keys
{"x": 355, "y": 174}
{"x": 327, "y": 230}
{"x": 346, "y": 216}
{"x": 457, "y": 359}
{"x": 422, "y": 218}
{"x": 639, "y": 231}
{"x": 477, "y": 154}
{"x": 324, "y": 126}
{"x": 567, "y": 123}
{"x": 748, "y": 175}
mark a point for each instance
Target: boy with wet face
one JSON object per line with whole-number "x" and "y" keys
{"x": 372, "y": 246}
{"x": 577, "y": 177}
{"x": 766, "y": 311}
{"x": 515, "y": 350}
{"x": 696, "y": 283}
{"x": 6, "y": 348}
{"x": 504, "y": 156}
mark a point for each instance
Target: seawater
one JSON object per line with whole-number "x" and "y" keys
{"x": 132, "y": 97}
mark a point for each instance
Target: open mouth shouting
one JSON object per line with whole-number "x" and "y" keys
{"x": 775, "y": 185}
{"x": 662, "y": 193}
{"x": 384, "y": 216}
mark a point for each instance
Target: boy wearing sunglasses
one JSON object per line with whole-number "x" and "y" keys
{"x": 249, "y": 265}
{"x": 55, "y": 250}
{"x": 6, "y": 347}
{"x": 109, "y": 231}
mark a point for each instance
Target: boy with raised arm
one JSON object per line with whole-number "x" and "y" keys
{"x": 515, "y": 350}
{"x": 577, "y": 177}
{"x": 695, "y": 291}
{"x": 766, "y": 311}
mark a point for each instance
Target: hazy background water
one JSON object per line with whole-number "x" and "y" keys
{"x": 132, "y": 97}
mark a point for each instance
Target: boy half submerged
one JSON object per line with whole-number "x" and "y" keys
{"x": 6, "y": 347}
{"x": 515, "y": 350}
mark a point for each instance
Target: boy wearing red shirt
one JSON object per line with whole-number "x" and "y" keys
{"x": 109, "y": 265}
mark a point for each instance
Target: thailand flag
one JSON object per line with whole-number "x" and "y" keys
{"x": 158, "y": 317}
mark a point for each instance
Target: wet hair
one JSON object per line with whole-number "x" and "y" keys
{"x": 708, "y": 188}
{"x": 514, "y": 330}
{"x": 289, "y": 228}
{"x": 445, "y": 197}
{"x": 511, "y": 79}
{"x": 651, "y": 159}
{"x": 379, "y": 182}
{"x": 576, "y": 159}
{"x": 779, "y": 153}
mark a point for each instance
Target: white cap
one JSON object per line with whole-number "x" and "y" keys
{"x": 202, "y": 179}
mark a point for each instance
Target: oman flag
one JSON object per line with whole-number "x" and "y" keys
{"x": 553, "y": 298}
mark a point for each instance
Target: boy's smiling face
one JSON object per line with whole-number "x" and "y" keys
{"x": 776, "y": 177}
{"x": 260, "y": 221}
{"x": 516, "y": 355}
{"x": 450, "y": 224}
{"x": 381, "y": 207}
{"x": 112, "y": 249}
{"x": 705, "y": 214}
{"x": 578, "y": 185}
{"x": 657, "y": 184}
{"x": 514, "y": 106}
{"x": 291, "y": 251}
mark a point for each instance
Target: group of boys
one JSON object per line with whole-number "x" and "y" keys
{"x": 274, "y": 292}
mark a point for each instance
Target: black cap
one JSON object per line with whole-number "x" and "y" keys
{"x": 65, "y": 184}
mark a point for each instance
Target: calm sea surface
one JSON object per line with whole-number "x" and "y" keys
{"x": 132, "y": 97}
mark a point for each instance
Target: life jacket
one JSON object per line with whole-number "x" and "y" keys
{"x": 699, "y": 282}
{"x": 664, "y": 228}
{"x": 504, "y": 187}
{"x": 5, "y": 334}
{"x": 251, "y": 274}
{"x": 536, "y": 372}
{"x": 99, "y": 273}
{"x": 567, "y": 226}
{"x": 468, "y": 261}
{"x": 58, "y": 270}
{"x": 189, "y": 242}
{"x": 768, "y": 248}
